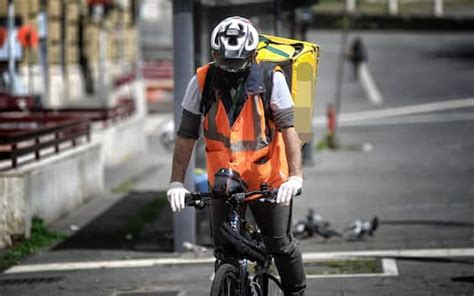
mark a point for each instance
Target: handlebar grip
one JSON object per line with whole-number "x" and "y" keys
{"x": 197, "y": 199}
{"x": 274, "y": 194}
{"x": 189, "y": 199}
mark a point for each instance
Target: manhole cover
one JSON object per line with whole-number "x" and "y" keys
{"x": 151, "y": 293}
{"x": 30, "y": 281}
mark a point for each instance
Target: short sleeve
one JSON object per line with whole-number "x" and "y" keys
{"x": 281, "y": 103}
{"x": 192, "y": 97}
{"x": 281, "y": 96}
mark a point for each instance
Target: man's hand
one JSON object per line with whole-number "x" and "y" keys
{"x": 176, "y": 193}
{"x": 289, "y": 189}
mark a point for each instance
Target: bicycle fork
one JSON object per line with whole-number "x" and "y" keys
{"x": 244, "y": 284}
{"x": 244, "y": 278}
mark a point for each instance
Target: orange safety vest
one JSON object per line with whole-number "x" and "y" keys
{"x": 246, "y": 146}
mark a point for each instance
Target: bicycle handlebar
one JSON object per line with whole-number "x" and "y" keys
{"x": 201, "y": 199}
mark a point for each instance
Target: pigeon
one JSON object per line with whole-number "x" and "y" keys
{"x": 314, "y": 225}
{"x": 360, "y": 229}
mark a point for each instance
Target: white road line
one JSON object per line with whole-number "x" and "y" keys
{"x": 371, "y": 89}
{"x": 105, "y": 264}
{"x": 390, "y": 267}
{"x": 430, "y": 253}
{"x": 416, "y": 119}
{"x": 399, "y": 111}
{"x": 310, "y": 256}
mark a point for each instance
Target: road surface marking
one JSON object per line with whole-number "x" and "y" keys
{"x": 415, "y": 119}
{"x": 63, "y": 266}
{"x": 413, "y": 253}
{"x": 398, "y": 111}
{"x": 390, "y": 267}
{"x": 309, "y": 256}
{"x": 369, "y": 86}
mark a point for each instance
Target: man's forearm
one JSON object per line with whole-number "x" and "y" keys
{"x": 182, "y": 153}
{"x": 293, "y": 151}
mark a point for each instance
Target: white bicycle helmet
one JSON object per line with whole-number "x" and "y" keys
{"x": 234, "y": 41}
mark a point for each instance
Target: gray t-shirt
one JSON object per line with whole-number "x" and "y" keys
{"x": 280, "y": 100}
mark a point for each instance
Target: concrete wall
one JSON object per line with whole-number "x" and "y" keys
{"x": 49, "y": 188}
{"x": 122, "y": 141}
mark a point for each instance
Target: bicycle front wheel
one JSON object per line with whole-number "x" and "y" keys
{"x": 268, "y": 285}
{"x": 226, "y": 281}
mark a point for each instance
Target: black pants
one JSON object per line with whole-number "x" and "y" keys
{"x": 274, "y": 223}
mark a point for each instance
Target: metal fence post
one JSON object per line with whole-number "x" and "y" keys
{"x": 43, "y": 51}
{"x": 393, "y": 7}
{"x": 183, "y": 61}
{"x": 11, "y": 45}
{"x": 438, "y": 8}
{"x": 350, "y": 6}
{"x": 277, "y": 18}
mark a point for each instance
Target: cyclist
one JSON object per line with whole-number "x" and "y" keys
{"x": 240, "y": 135}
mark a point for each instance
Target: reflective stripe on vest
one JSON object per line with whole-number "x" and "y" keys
{"x": 257, "y": 143}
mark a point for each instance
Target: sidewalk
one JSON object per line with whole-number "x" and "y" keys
{"x": 129, "y": 188}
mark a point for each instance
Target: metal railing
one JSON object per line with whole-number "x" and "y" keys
{"x": 124, "y": 108}
{"x": 29, "y": 135}
{"x": 107, "y": 115}
{"x": 9, "y": 102}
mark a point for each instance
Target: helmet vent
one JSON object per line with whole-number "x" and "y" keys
{"x": 234, "y": 40}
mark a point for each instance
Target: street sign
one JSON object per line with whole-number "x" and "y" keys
{"x": 28, "y": 36}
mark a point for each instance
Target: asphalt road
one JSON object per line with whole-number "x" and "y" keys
{"x": 416, "y": 175}
{"x": 408, "y": 69}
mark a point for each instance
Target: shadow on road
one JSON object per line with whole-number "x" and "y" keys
{"x": 140, "y": 221}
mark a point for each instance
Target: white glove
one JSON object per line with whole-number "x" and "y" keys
{"x": 289, "y": 189}
{"x": 176, "y": 193}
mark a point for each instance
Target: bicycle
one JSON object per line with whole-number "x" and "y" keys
{"x": 232, "y": 275}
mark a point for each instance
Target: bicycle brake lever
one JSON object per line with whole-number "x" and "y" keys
{"x": 199, "y": 204}
{"x": 266, "y": 199}
{"x": 239, "y": 196}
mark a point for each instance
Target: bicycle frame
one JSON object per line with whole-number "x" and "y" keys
{"x": 238, "y": 224}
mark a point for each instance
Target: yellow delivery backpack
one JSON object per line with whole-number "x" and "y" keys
{"x": 299, "y": 62}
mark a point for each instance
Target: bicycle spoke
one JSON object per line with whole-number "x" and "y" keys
{"x": 228, "y": 287}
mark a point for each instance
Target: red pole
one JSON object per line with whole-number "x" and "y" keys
{"x": 331, "y": 127}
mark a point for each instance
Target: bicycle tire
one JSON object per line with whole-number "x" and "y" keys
{"x": 268, "y": 285}
{"x": 226, "y": 281}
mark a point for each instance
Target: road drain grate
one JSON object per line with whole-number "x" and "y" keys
{"x": 30, "y": 281}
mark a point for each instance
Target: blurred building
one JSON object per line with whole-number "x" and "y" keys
{"x": 80, "y": 36}
{"x": 156, "y": 29}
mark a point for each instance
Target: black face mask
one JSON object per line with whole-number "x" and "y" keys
{"x": 229, "y": 80}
